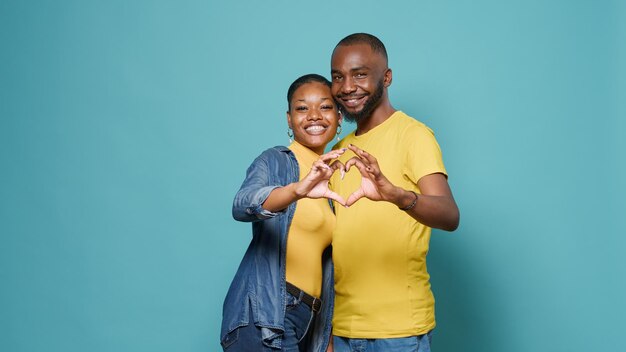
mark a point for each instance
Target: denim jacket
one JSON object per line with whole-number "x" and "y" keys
{"x": 259, "y": 284}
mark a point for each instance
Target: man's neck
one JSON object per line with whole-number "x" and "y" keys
{"x": 378, "y": 116}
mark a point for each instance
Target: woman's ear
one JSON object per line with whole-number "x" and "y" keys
{"x": 339, "y": 117}
{"x": 289, "y": 120}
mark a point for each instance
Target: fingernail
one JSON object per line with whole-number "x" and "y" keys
{"x": 343, "y": 173}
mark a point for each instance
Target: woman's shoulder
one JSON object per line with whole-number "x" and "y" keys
{"x": 276, "y": 153}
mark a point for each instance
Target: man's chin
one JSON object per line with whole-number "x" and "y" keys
{"x": 353, "y": 116}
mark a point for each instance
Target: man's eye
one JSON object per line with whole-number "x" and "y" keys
{"x": 336, "y": 78}
{"x": 360, "y": 75}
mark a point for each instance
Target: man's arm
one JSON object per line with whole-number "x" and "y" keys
{"x": 435, "y": 207}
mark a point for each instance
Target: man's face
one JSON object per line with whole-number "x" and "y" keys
{"x": 357, "y": 80}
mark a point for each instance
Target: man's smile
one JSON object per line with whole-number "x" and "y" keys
{"x": 352, "y": 100}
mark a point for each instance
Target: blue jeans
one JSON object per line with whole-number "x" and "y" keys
{"x": 419, "y": 343}
{"x": 298, "y": 319}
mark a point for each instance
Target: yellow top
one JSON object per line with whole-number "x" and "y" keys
{"x": 310, "y": 232}
{"x": 382, "y": 287}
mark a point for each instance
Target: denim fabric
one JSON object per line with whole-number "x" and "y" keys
{"x": 257, "y": 293}
{"x": 298, "y": 319}
{"x": 419, "y": 343}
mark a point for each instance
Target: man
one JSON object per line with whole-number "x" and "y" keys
{"x": 383, "y": 300}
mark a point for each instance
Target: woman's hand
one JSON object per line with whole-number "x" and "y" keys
{"x": 315, "y": 183}
{"x": 330, "y": 347}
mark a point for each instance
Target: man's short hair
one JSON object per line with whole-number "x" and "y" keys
{"x": 364, "y": 38}
{"x": 302, "y": 80}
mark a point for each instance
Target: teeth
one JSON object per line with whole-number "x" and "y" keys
{"x": 315, "y": 128}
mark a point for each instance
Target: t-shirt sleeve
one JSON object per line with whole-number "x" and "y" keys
{"x": 424, "y": 154}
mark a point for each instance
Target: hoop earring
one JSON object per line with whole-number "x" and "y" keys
{"x": 338, "y": 132}
{"x": 290, "y": 134}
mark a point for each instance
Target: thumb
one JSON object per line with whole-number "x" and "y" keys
{"x": 336, "y": 197}
{"x": 358, "y": 194}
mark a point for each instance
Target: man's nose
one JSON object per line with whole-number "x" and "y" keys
{"x": 348, "y": 86}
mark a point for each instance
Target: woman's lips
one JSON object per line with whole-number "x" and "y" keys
{"x": 316, "y": 129}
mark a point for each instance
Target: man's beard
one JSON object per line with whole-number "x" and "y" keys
{"x": 369, "y": 107}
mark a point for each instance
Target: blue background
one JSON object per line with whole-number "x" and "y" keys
{"x": 126, "y": 128}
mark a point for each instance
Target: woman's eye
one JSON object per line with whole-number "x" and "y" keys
{"x": 301, "y": 108}
{"x": 327, "y": 107}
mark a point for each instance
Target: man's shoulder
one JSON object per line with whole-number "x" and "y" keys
{"x": 410, "y": 124}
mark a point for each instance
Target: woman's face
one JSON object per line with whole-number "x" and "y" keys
{"x": 313, "y": 116}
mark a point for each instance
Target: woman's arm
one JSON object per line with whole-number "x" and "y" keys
{"x": 258, "y": 200}
{"x": 313, "y": 185}
{"x": 247, "y": 205}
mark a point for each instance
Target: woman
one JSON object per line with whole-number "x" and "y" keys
{"x": 281, "y": 297}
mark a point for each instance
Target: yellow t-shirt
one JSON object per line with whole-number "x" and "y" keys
{"x": 310, "y": 232}
{"x": 382, "y": 287}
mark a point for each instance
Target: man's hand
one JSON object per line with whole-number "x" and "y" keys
{"x": 434, "y": 207}
{"x": 374, "y": 185}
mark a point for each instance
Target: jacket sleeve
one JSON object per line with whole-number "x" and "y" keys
{"x": 255, "y": 189}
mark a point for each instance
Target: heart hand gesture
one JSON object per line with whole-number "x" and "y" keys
{"x": 315, "y": 183}
{"x": 374, "y": 185}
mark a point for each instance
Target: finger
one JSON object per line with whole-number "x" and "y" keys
{"x": 370, "y": 162}
{"x": 355, "y": 160}
{"x": 358, "y": 194}
{"x": 329, "y": 156}
{"x": 338, "y": 151}
{"x": 338, "y": 165}
{"x": 320, "y": 165}
{"x": 365, "y": 170}
{"x": 336, "y": 197}
{"x": 333, "y": 154}
{"x": 365, "y": 156}
{"x": 358, "y": 152}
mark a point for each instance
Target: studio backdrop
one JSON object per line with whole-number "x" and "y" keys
{"x": 126, "y": 128}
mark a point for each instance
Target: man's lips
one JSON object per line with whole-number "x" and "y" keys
{"x": 351, "y": 101}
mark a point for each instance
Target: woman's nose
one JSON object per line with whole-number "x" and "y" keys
{"x": 314, "y": 115}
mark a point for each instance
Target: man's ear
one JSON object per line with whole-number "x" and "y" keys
{"x": 388, "y": 78}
